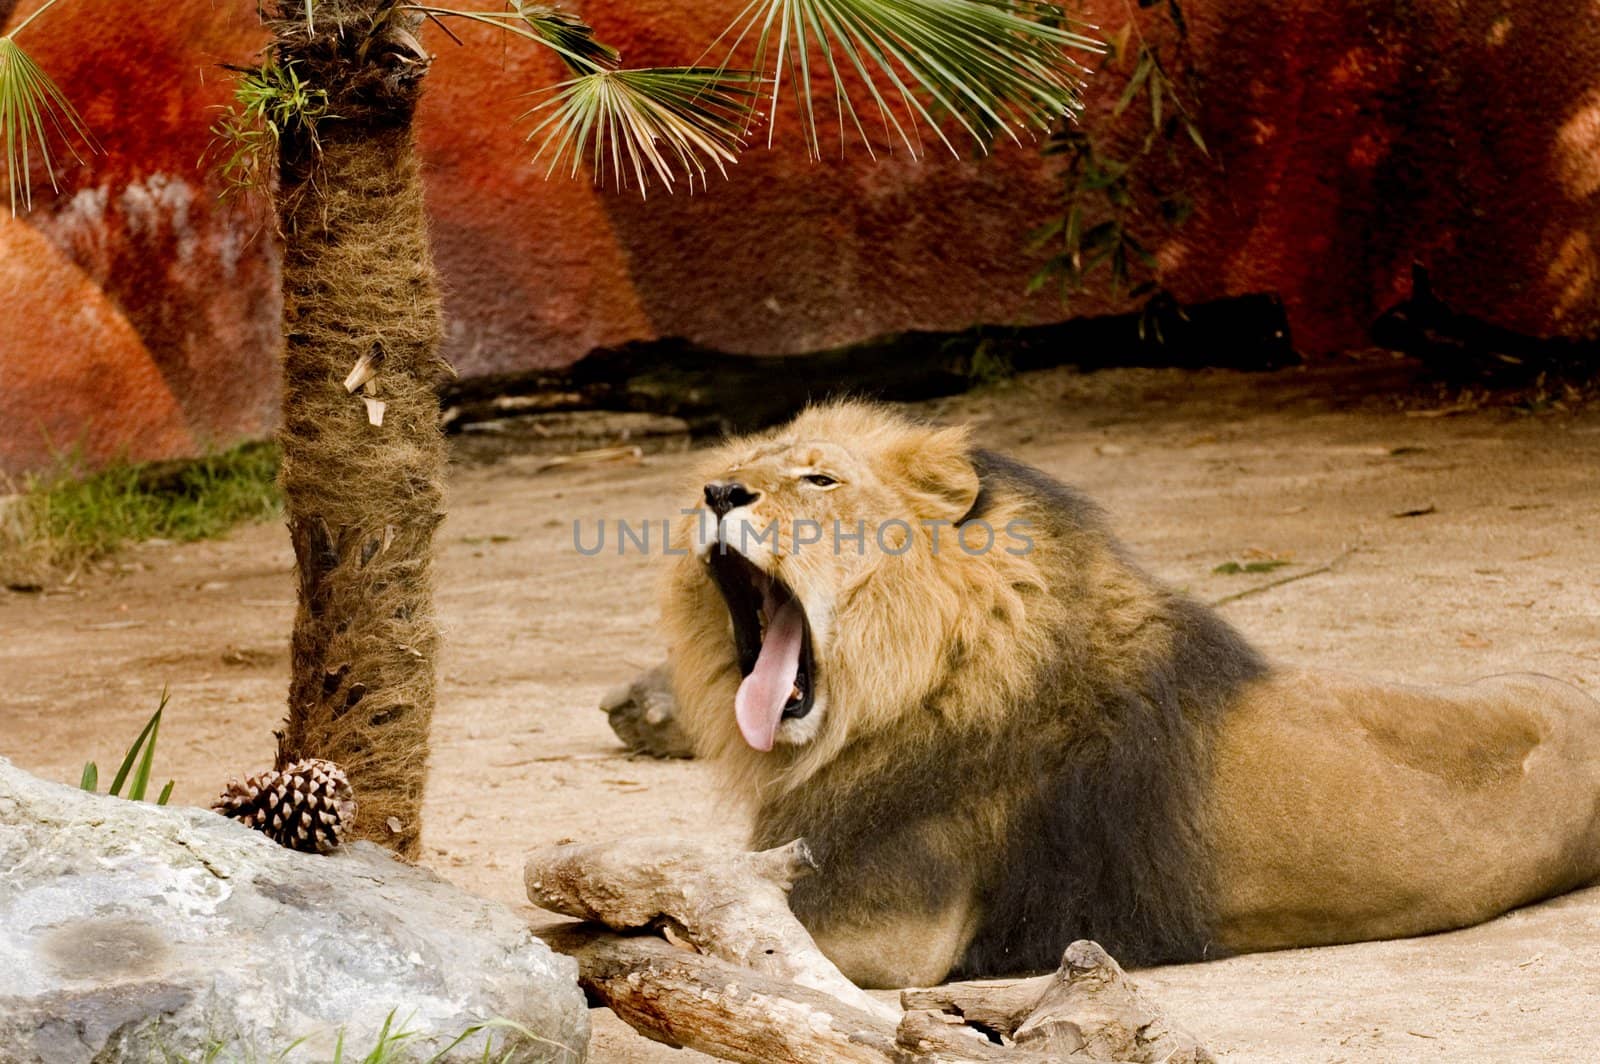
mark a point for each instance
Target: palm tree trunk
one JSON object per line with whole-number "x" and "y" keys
{"x": 363, "y": 482}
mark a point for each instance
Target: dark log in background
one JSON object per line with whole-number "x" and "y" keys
{"x": 718, "y": 392}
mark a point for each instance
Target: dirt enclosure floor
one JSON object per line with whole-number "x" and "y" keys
{"x": 1435, "y": 544}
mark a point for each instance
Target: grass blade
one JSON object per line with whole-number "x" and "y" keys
{"x": 127, "y": 762}
{"x": 133, "y": 751}
{"x": 141, "y": 776}
{"x": 91, "y": 777}
{"x": 166, "y": 793}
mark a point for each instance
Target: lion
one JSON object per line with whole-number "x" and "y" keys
{"x": 999, "y": 734}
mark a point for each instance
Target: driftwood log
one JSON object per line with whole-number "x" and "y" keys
{"x": 681, "y": 998}
{"x": 1088, "y": 1010}
{"x": 717, "y": 962}
{"x": 998, "y": 1005}
{"x": 730, "y": 905}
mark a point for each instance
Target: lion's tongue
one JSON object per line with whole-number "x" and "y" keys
{"x": 759, "y": 704}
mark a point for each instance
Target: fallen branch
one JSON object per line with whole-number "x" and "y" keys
{"x": 682, "y": 998}
{"x": 738, "y": 977}
{"x": 1000, "y": 1005}
{"x": 1270, "y": 584}
{"x": 590, "y": 457}
{"x": 1088, "y": 1010}
{"x": 729, "y": 904}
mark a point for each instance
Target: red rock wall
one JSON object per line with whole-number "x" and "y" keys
{"x": 1350, "y": 139}
{"x": 192, "y": 283}
{"x": 1358, "y": 137}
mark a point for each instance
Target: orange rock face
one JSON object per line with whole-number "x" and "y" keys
{"x": 141, "y": 225}
{"x": 76, "y": 380}
{"x": 1349, "y": 140}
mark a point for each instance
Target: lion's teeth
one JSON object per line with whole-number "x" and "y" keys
{"x": 796, "y": 695}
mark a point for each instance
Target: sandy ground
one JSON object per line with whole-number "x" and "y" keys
{"x": 1498, "y": 569}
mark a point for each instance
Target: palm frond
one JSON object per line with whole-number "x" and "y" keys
{"x": 993, "y": 66}
{"x": 644, "y": 125}
{"x": 571, "y": 37}
{"x": 31, "y": 107}
{"x": 563, "y": 33}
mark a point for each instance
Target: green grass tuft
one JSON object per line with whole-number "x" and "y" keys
{"x": 268, "y": 102}
{"x": 396, "y": 1043}
{"x": 146, "y": 742}
{"x": 63, "y": 520}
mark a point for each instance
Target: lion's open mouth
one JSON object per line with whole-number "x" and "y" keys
{"x": 773, "y": 641}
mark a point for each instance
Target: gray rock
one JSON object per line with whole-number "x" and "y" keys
{"x": 130, "y": 932}
{"x": 644, "y": 714}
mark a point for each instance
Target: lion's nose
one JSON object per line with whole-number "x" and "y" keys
{"x": 723, "y": 496}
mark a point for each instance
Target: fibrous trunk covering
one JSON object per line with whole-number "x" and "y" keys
{"x": 363, "y": 498}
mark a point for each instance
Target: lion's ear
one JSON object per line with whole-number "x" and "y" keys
{"x": 934, "y": 471}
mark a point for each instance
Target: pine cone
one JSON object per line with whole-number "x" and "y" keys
{"x": 307, "y": 805}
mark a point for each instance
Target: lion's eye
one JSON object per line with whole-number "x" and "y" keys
{"x": 819, "y": 480}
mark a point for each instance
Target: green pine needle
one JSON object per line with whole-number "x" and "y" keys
{"x": 645, "y": 125}
{"x": 997, "y": 67}
{"x": 31, "y": 106}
